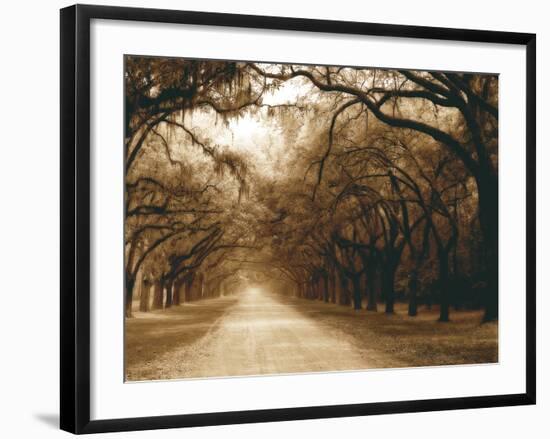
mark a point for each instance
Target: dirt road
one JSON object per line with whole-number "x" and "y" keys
{"x": 256, "y": 333}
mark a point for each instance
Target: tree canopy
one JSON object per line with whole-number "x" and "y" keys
{"x": 342, "y": 184}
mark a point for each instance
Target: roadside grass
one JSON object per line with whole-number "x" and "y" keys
{"x": 413, "y": 341}
{"x": 148, "y": 336}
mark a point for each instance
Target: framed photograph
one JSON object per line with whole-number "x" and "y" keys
{"x": 268, "y": 218}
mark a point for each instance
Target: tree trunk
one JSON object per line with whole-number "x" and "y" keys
{"x": 443, "y": 258}
{"x": 332, "y": 283}
{"x": 371, "y": 291}
{"x": 129, "y": 285}
{"x": 343, "y": 298}
{"x": 157, "y": 296}
{"x": 487, "y": 185}
{"x": 176, "y": 296}
{"x": 144, "y": 299}
{"x": 169, "y": 285}
{"x": 357, "y": 296}
{"x": 188, "y": 287}
{"x": 413, "y": 294}
{"x": 325, "y": 288}
{"x": 388, "y": 286}
{"x": 203, "y": 290}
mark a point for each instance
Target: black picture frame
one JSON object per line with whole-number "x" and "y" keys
{"x": 75, "y": 217}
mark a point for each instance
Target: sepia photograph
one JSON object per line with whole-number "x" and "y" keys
{"x": 287, "y": 218}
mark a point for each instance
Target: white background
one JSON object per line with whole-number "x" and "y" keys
{"x": 29, "y": 176}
